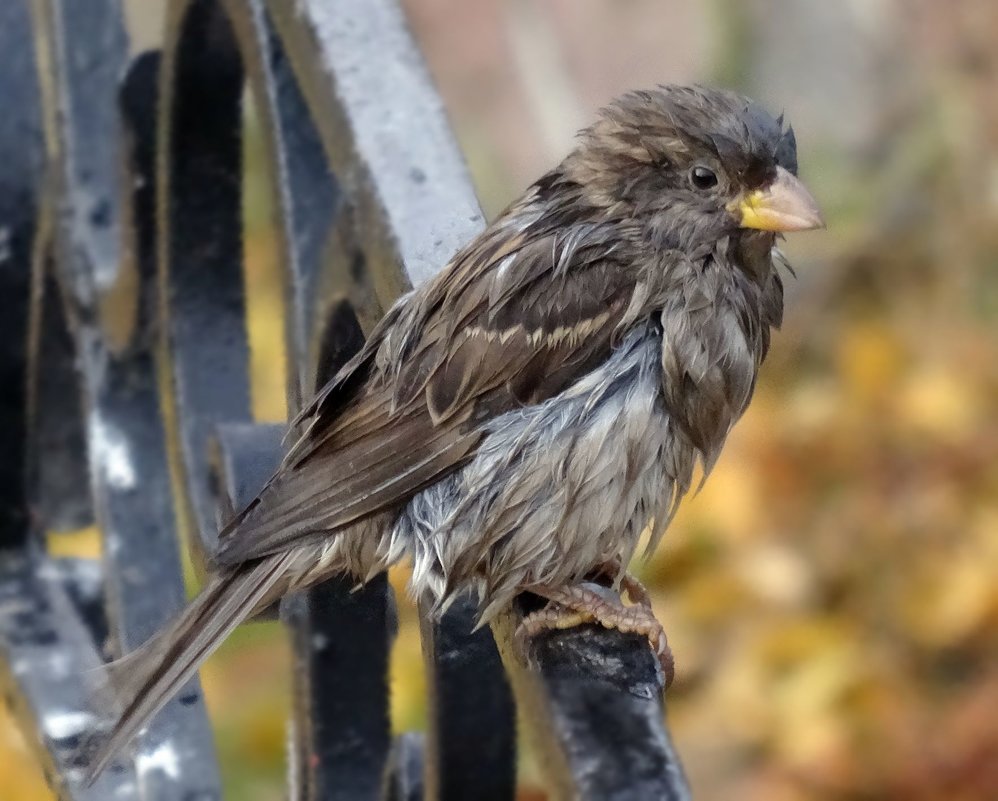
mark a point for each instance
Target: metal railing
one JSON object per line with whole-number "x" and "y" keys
{"x": 124, "y": 366}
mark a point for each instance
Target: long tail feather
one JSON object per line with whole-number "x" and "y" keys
{"x": 146, "y": 679}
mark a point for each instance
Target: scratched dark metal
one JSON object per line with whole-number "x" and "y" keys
{"x": 95, "y": 410}
{"x": 141, "y": 192}
{"x": 21, "y": 158}
{"x": 592, "y": 701}
{"x": 45, "y": 641}
{"x": 471, "y": 732}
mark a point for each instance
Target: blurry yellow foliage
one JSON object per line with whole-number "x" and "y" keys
{"x": 20, "y": 776}
{"x": 946, "y": 601}
{"x": 869, "y": 361}
{"x": 941, "y": 401}
{"x": 729, "y": 502}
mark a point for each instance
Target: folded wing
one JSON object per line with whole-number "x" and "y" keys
{"x": 512, "y": 320}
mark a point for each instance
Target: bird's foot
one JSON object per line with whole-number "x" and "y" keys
{"x": 579, "y": 604}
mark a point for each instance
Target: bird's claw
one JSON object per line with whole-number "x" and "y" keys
{"x": 576, "y": 605}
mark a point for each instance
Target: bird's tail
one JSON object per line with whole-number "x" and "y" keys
{"x": 143, "y": 681}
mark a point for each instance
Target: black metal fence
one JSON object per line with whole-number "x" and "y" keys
{"x": 125, "y": 394}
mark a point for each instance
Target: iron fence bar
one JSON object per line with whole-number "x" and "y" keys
{"x": 203, "y": 353}
{"x": 471, "y": 727}
{"x": 21, "y": 168}
{"x": 47, "y": 656}
{"x": 142, "y": 568}
{"x": 593, "y": 702}
{"x": 90, "y": 375}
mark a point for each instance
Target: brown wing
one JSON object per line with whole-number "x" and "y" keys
{"x": 512, "y": 321}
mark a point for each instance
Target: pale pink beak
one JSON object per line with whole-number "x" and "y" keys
{"x": 784, "y": 205}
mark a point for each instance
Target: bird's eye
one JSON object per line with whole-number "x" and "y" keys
{"x": 703, "y": 177}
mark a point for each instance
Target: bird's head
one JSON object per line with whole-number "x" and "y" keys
{"x": 695, "y": 165}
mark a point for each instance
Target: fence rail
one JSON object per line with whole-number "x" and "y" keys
{"x": 124, "y": 359}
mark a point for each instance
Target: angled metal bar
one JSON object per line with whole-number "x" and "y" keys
{"x": 308, "y": 200}
{"x": 593, "y": 702}
{"x": 385, "y": 134}
{"x": 21, "y": 153}
{"x": 341, "y": 729}
{"x": 82, "y": 51}
{"x": 204, "y": 352}
{"x": 109, "y": 302}
{"x": 58, "y": 470}
{"x": 471, "y": 730}
{"x": 144, "y": 576}
{"x": 49, "y": 671}
{"x": 45, "y": 644}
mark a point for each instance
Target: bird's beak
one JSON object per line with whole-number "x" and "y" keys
{"x": 783, "y": 205}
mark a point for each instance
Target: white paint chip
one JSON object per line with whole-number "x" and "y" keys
{"x": 111, "y": 454}
{"x": 163, "y": 758}
{"x": 60, "y": 725}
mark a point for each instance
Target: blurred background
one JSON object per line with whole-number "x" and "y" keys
{"x": 832, "y": 594}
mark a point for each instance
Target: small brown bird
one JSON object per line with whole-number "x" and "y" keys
{"x": 515, "y": 423}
